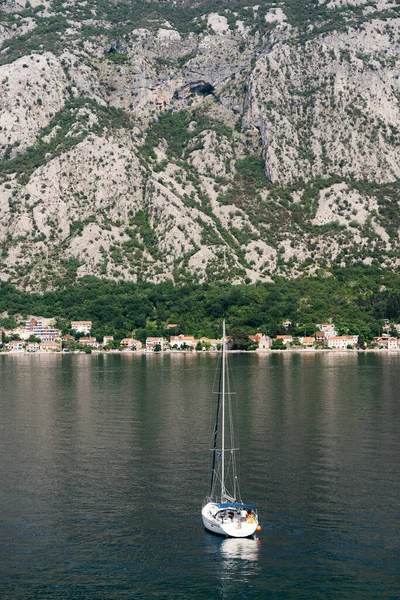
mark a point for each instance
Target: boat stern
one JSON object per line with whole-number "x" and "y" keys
{"x": 230, "y": 520}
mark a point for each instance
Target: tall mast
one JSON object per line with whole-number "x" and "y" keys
{"x": 216, "y": 434}
{"x": 223, "y": 415}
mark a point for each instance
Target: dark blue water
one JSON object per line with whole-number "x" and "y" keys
{"x": 104, "y": 467}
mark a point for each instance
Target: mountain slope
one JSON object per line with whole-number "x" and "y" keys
{"x": 212, "y": 141}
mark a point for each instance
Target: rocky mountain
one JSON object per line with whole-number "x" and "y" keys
{"x": 197, "y": 140}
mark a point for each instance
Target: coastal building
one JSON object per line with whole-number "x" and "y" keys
{"x": 107, "y": 339}
{"x": 41, "y": 330}
{"x": 264, "y": 342}
{"x": 131, "y": 344}
{"x": 320, "y": 338}
{"x": 342, "y": 341}
{"x": 152, "y": 342}
{"x": 287, "y": 324}
{"x": 52, "y": 335}
{"x": 255, "y": 338}
{"x": 50, "y": 347}
{"x": 33, "y": 347}
{"x": 286, "y": 339}
{"x": 210, "y": 342}
{"x": 81, "y": 326}
{"x": 390, "y": 343}
{"x": 17, "y": 345}
{"x": 91, "y": 342}
{"x": 67, "y": 338}
{"x": 32, "y": 324}
{"x": 182, "y": 341}
{"x": 307, "y": 341}
{"x": 328, "y": 329}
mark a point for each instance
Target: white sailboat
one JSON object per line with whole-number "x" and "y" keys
{"x": 223, "y": 511}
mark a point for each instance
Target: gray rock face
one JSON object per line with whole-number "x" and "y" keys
{"x": 196, "y": 145}
{"x": 298, "y": 99}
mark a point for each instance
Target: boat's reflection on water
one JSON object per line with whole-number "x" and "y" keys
{"x": 239, "y": 566}
{"x": 240, "y": 548}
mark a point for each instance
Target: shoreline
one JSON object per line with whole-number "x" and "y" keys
{"x": 209, "y": 352}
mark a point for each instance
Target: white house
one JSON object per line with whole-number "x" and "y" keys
{"x": 390, "y": 343}
{"x": 178, "y": 341}
{"x": 342, "y": 341}
{"x": 286, "y": 339}
{"x": 91, "y": 342}
{"x": 16, "y": 345}
{"x": 32, "y": 347}
{"x": 213, "y": 342}
{"x": 328, "y": 329}
{"x": 82, "y": 326}
{"x": 152, "y": 342}
{"x": 131, "y": 344}
{"x": 107, "y": 339}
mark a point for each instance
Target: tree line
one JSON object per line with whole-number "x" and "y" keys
{"x": 356, "y": 299}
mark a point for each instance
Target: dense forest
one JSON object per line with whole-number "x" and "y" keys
{"x": 356, "y": 299}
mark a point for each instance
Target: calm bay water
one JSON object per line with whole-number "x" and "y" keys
{"x": 104, "y": 466}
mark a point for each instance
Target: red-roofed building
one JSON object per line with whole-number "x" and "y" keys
{"x": 131, "y": 344}
{"x": 286, "y": 339}
{"x": 50, "y": 347}
{"x": 91, "y": 342}
{"x": 342, "y": 341}
{"x": 390, "y": 343}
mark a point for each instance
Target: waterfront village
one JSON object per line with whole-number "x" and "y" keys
{"x": 39, "y": 335}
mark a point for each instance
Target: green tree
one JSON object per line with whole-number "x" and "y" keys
{"x": 240, "y": 339}
{"x": 112, "y": 345}
{"x": 33, "y": 338}
{"x": 278, "y": 345}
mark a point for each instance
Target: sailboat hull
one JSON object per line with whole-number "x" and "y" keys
{"x": 219, "y": 522}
